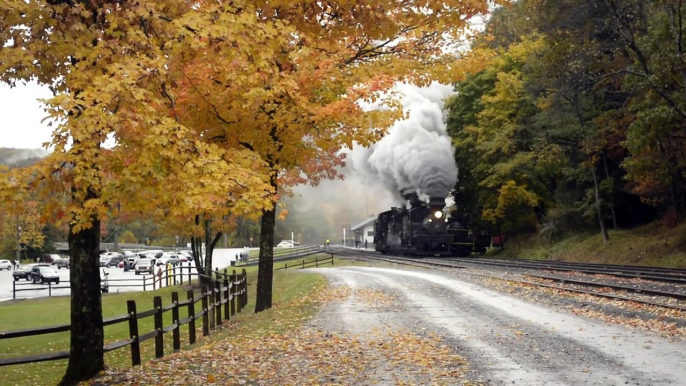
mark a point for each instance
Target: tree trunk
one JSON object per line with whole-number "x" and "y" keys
{"x": 208, "y": 246}
{"x": 502, "y": 242}
{"x": 86, "y": 354}
{"x": 265, "y": 271}
{"x": 599, "y": 203}
{"x": 612, "y": 195}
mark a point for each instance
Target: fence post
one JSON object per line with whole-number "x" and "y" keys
{"x": 143, "y": 283}
{"x": 191, "y": 314}
{"x": 175, "y": 319}
{"x": 226, "y": 296}
{"x": 181, "y": 273}
{"x": 210, "y": 301}
{"x": 218, "y": 302}
{"x": 133, "y": 333}
{"x": 245, "y": 280}
{"x": 49, "y": 289}
{"x": 332, "y": 259}
{"x": 285, "y": 266}
{"x": 238, "y": 295}
{"x": 205, "y": 316}
{"x": 174, "y": 274}
{"x": 189, "y": 271}
{"x": 303, "y": 263}
{"x": 153, "y": 280}
{"x": 316, "y": 261}
{"x": 159, "y": 339}
{"x": 232, "y": 291}
{"x": 14, "y": 289}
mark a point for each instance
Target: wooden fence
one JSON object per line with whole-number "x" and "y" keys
{"x": 285, "y": 254}
{"x": 226, "y": 294}
{"x": 312, "y": 263}
{"x": 170, "y": 276}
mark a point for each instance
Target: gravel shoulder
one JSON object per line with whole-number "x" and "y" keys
{"x": 504, "y": 339}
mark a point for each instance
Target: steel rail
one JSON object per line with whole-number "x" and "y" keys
{"x": 619, "y": 271}
{"x": 426, "y": 263}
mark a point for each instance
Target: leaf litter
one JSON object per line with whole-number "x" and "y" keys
{"x": 666, "y": 322}
{"x": 305, "y": 355}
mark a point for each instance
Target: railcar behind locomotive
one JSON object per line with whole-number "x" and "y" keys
{"x": 423, "y": 230}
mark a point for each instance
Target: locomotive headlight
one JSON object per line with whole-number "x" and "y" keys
{"x": 438, "y": 214}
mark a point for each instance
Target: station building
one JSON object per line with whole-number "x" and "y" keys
{"x": 364, "y": 230}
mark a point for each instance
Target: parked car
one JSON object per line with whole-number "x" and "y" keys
{"x": 34, "y": 268}
{"x": 114, "y": 261}
{"x": 5, "y": 264}
{"x": 104, "y": 261}
{"x": 44, "y": 275}
{"x": 144, "y": 266}
{"x": 62, "y": 263}
{"x": 111, "y": 254}
{"x": 183, "y": 258}
{"x": 162, "y": 260}
{"x": 50, "y": 259}
{"x": 25, "y": 272}
{"x": 285, "y": 244}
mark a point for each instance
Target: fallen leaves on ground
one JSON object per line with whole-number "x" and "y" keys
{"x": 661, "y": 319}
{"x": 307, "y": 355}
{"x": 375, "y": 298}
{"x": 333, "y": 293}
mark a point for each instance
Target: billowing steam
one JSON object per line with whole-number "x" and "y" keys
{"x": 416, "y": 156}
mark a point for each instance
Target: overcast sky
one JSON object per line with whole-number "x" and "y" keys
{"x": 21, "y": 115}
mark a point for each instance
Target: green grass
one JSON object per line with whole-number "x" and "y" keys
{"x": 289, "y": 286}
{"x": 650, "y": 245}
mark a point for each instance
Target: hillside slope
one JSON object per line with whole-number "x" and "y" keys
{"x": 650, "y": 245}
{"x": 20, "y": 157}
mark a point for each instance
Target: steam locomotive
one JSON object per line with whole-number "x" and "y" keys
{"x": 424, "y": 230}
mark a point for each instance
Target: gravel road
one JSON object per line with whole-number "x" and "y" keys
{"x": 506, "y": 340}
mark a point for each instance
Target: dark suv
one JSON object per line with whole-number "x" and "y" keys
{"x": 62, "y": 263}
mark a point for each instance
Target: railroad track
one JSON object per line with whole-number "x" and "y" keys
{"x": 563, "y": 283}
{"x": 665, "y": 275}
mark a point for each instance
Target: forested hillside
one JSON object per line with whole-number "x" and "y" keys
{"x": 20, "y": 157}
{"x": 577, "y": 122}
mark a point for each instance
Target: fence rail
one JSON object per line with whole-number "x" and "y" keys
{"x": 170, "y": 276}
{"x": 308, "y": 264}
{"x": 225, "y": 292}
{"x": 286, "y": 254}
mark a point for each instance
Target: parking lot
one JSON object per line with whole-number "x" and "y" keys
{"x": 221, "y": 258}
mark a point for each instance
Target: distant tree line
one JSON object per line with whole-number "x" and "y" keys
{"x": 577, "y": 121}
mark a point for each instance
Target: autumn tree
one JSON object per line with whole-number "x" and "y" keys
{"x": 101, "y": 60}
{"x": 294, "y": 94}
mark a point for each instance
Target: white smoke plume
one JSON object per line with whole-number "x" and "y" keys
{"x": 416, "y": 155}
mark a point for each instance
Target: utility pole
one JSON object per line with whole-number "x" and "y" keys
{"x": 116, "y": 239}
{"x": 18, "y": 241}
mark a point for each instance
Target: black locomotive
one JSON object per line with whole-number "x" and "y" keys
{"x": 423, "y": 230}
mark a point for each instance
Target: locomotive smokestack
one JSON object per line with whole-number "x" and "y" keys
{"x": 437, "y": 202}
{"x": 414, "y": 200}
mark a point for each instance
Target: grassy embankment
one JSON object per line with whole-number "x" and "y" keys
{"x": 290, "y": 310}
{"x": 650, "y": 245}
